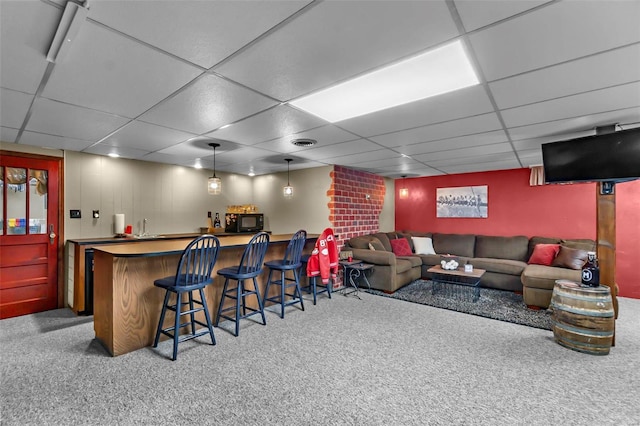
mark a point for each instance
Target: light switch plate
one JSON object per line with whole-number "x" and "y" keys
{"x": 75, "y": 214}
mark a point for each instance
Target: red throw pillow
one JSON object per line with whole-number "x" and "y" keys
{"x": 544, "y": 254}
{"x": 400, "y": 247}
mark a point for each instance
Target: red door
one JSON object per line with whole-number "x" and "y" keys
{"x": 28, "y": 235}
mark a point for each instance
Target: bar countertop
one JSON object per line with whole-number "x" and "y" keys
{"x": 165, "y": 246}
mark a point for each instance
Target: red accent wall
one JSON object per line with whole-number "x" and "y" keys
{"x": 515, "y": 208}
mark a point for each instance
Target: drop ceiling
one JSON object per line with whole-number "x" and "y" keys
{"x": 159, "y": 80}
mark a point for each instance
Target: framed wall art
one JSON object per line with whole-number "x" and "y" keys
{"x": 463, "y": 201}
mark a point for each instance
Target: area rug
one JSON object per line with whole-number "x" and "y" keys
{"x": 496, "y": 304}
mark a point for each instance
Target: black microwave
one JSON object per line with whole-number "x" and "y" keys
{"x": 243, "y": 222}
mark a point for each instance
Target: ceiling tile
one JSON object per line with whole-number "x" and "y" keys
{"x": 271, "y": 124}
{"x": 345, "y": 148}
{"x": 567, "y": 128}
{"x": 462, "y": 160}
{"x": 559, "y": 32}
{"x": 51, "y": 141}
{"x": 8, "y": 134}
{"x": 325, "y": 135}
{"x": 147, "y": 137}
{"x": 497, "y": 148}
{"x": 199, "y": 31}
{"x": 13, "y": 107}
{"x": 336, "y": 40}
{"x": 57, "y": 118}
{"x": 352, "y": 159}
{"x": 108, "y": 72}
{"x": 482, "y": 167}
{"x": 450, "y": 106}
{"x": 449, "y": 129}
{"x": 249, "y": 153}
{"x": 476, "y": 14}
{"x": 460, "y": 143}
{"x": 530, "y": 158}
{"x": 611, "y": 68}
{"x": 198, "y": 147}
{"x": 124, "y": 152}
{"x": 184, "y": 160}
{"x": 618, "y": 97}
{"x": 26, "y": 30}
{"x": 207, "y": 104}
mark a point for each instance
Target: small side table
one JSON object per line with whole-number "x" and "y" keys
{"x": 353, "y": 272}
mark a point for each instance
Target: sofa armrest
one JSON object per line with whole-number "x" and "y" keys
{"x": 375, "y": 257}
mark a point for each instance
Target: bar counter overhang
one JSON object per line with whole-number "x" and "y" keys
{"x": 126, "y": 303}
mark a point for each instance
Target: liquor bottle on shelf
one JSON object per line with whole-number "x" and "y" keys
{"x": 216, "y": 222}
{"x": 591, "y": 271}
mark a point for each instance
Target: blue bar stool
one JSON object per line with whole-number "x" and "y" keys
{"x": 312, "y": 287}
{"x": 291, "y": 262}
{"x": 250, "y": 267}
{"x": 194, "y": 273}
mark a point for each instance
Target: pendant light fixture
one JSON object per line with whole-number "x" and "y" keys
{"x": 288, "y": 190}
{"x": 214, "y": 184}
{"x": 404, "y": 191}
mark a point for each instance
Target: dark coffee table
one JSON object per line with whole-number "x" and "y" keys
{"x": 457, "y": 277}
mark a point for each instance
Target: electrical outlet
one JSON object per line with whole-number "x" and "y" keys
{"x": 75, "y": 214}
{"x": 208, "y": 214}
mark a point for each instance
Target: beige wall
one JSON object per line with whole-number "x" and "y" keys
{"x": 174, "y": 199}
{"x": 388, "y": 213}
{"x": 308, "y": 209}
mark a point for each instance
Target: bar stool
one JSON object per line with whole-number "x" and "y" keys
{"x": 312, "y": 287}
{"x": 194, "y": 273}
{"x": 291, "y": 262}
{"x": 249, "y": 268}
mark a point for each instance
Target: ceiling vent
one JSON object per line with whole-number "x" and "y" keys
{"x": 304, "y": 142}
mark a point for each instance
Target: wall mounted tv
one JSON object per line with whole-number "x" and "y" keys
{"x": 611, "y": 157}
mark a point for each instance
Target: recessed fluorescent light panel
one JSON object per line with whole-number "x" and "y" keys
{"x": 438, "y": 71}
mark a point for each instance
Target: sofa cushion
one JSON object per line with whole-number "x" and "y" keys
{"x": 544, "y": 254}
{"x": 580, "y": 244}
{"x": 513, "y": 248}
{"x": 362, "y": 242}
{"x": 384, "y": 239}
{"x": 415, "y": 260}
{"x": 400, "y": 247}
{"x": 544, "y": 277}
{"x": 458, "y": 244}
{"x": 541, "y": 240}
{"x": 375, "y": 244}
{"x": 423, "y": 245}
{"x": 403, "y": 265}
{"x": 570, "y": 258}
{"x": 502, "y": 266}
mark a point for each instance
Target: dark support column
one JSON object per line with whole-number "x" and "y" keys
{"x": 606, "y": 233}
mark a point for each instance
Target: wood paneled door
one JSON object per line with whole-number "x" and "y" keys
{"x": 29, "y": 240}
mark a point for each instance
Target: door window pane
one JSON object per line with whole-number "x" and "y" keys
{"x": 16, "y": 180}
{"x": 38, "y": 202}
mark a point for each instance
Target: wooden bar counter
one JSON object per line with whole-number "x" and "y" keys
{"x": 126, "y": 303}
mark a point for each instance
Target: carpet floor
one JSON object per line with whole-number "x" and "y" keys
{"x": 496, "y": 304}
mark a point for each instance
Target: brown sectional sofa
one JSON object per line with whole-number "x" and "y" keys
{"x": 503, "y": 258}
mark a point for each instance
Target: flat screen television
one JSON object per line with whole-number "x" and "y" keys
{"x": 611, "y": 157}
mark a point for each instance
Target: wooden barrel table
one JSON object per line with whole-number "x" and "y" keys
{"x": 583, "y": 317}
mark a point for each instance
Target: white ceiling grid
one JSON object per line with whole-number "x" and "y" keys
{"x": 159, "y": 80}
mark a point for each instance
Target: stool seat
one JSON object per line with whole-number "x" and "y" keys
{"x": 290, "y": 263}
{"x": 194, "y": 273}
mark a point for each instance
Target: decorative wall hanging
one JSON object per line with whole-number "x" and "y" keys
{"x": 464, "y": 201}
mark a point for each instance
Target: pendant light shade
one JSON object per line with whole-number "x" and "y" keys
{"x": 288, "y": 190}
{"x": 404, "y": 191}
{"x": 214, "y": 183}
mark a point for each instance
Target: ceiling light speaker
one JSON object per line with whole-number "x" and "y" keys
{"x": 304, "y": 142}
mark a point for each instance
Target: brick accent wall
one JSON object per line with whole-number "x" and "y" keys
{"x": 350, "y": 212}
